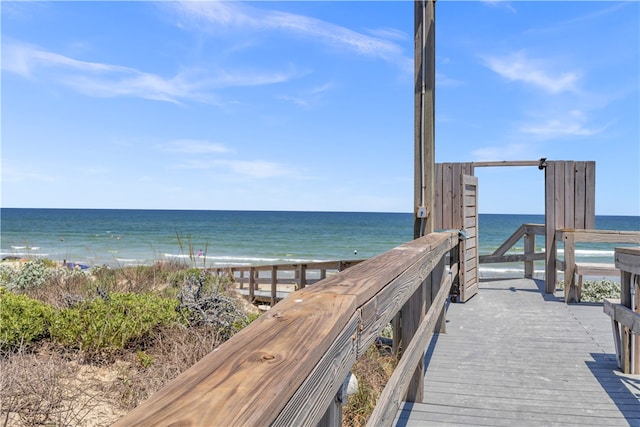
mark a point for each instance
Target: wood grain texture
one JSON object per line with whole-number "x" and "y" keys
{"x": 286, "y": 367}
{"x": 628, "y": 259}
{"x": 393, "y": 393}
{"x": 550, "y": 231}
{"x": 248, "y": 379}
{"x": 515, "y": 357}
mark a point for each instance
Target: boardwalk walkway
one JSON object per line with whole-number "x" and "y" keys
{"x": 513, "y": 356}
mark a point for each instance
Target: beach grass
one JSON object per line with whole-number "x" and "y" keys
{"x": 94, "y": 344}
{"x": 85, "y": 347}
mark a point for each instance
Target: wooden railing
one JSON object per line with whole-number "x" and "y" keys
{"x": 274, "y": 277}
{"x": 573, "y": 290}
{"x": 625, "y": 312}
{"x": 529, "y": 232}
{"x": 287, "y": 367}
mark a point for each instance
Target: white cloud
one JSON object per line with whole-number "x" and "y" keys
{"x": 310, "y": 97}
{"x": 193, "y": 146}
{"x": 108, "y": 80}
{"x": 518, "y": 67}
{"x": 240, "y": 168}
{"x": 236, "y": 14}
{"x": 570, "y": 124}
{"x": 516, "y": 151}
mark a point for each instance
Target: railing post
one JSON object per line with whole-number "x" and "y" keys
{"x": 454, "y": 266}
{"x": 529, "y": 251}
{"x": 274, "y": 284}
{"x": 252, "y": 284}
{"x": 436, "y": 281}
{"x": 412, "y": 314}
{"x": 303, "y": 275}
{"x": 570, "y": 288}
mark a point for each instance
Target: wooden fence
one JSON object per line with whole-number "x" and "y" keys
{"x": 529, "y": 232}
{"x": 625, "y": 312}
{"x": 287, "y": 367}
{"x": 573, "y": 290}
{"x": 275, "y": 277}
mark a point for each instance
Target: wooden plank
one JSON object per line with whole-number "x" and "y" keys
{"x": 380, "y": 310}
{"x": 271, "y": 360}
{"x": 468, "y": 201}
{"x": 396, "y": 387}
{"x": 550, "y": 231}
{"x": 448, "y": 196}
{"x": 413, "y": 313}
{"x": 510, "y": 242}
{"x": 257, "y": 359}
{"x": 569, "y": 194}
{"x": 593, "y": 269}
{"x": 274, "y": 285}
{"x": 456, "y": 201}
{"x": 367, "y": 279}
{"x": 571, "y": 292}
{"x": 438, "y": 198}
{"x": 252, "y": 284}
{"x": 511, "y": 358}
{"x": 489, "y": 259}
{"x": 628, "y": 259}
{"x": 506, "y": 163}
{"x": 580, "y": 195}
{"x": 590, "y": 196}
{"x": 604, "y": 236}
{"x": 621, "y": 314}
{"x": 529, "y": 251}
{"x": 535, "y": 229}
{"x": 559, "y": 195}
{"x": 320, "y": 388}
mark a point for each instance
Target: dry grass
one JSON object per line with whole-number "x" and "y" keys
{"x": 54, "y": 386}
{"x": 47, "y": 384}
{"x": 51, "y": 385}
{"x": 44, "y": 389}
{"x": 372, "y": 370}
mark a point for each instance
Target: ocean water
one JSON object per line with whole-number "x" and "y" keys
{"x": 134, "y": 237}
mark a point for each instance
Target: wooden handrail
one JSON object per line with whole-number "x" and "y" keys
{"x": 529, "y": 232}
{"x": 287, "y": 366}
{"x": 300, "y": 271}
{"x": 570, "y": 237}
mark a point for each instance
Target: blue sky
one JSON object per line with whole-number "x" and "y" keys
{"x": 309, "y": 105}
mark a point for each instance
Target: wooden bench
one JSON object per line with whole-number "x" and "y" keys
{"x": 593, "y": 269}
{"x": 570, "y": 237}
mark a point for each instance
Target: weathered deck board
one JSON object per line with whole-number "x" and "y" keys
{"x": 515, "y": 356}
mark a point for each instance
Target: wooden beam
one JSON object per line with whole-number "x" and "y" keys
{"x": 506, "y": 163}
{"x": 550, "y": 275}
{"x": 424, "y": 116}
{"x": 621, "y": 314}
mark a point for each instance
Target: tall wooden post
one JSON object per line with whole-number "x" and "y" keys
{"x": 424, "y": 116}
{"x": 424, "y": 188}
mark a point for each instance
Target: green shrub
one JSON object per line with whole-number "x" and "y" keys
{"x": 8, "y": 275}
{"x": 105, "y": 277}
{"x": 597, "y": 290}
{"x": 23, "y": 320}
{"x": 110, "y": 323}
{"x": 33, "y": 273}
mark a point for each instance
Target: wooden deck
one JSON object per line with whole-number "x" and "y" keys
{"x": 515, "y": 356}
